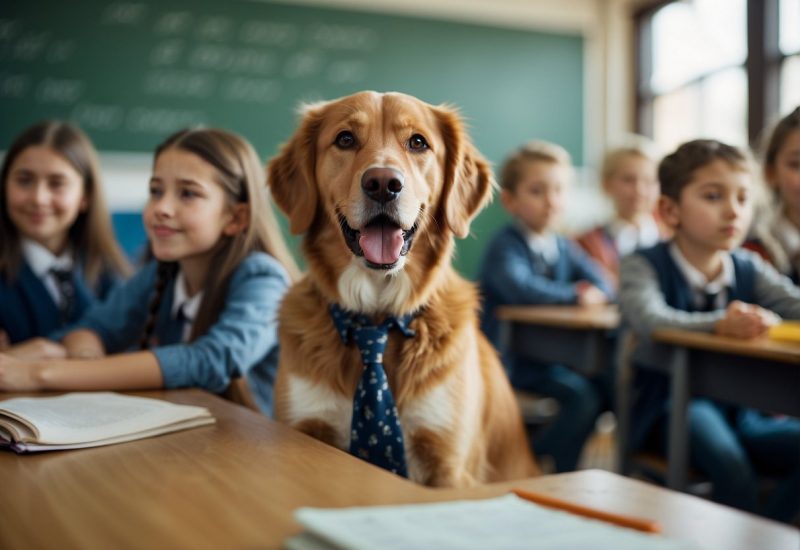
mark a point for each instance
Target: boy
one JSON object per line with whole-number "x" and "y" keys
{"x": 629, "y": 180}
{"x": 697, "y": 281}
{"x": 528, "y": 263}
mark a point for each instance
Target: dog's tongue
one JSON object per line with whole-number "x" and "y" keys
{"x": 381, "y": 243}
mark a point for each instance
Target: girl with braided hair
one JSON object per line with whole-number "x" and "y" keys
{"x": 203, "y": 312}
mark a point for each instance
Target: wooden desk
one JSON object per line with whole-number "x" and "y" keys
{"x": 236, "y": 484}
{"x": 761, "y": 373}
{"x": 575, "y": 336}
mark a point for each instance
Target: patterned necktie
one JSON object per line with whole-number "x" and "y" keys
{"x": 66, "y": 289}
{"x": 376, "y": 435}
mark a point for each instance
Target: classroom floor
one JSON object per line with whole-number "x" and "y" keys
{"x": 599, "y": 451}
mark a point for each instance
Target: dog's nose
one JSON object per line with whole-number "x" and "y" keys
{"x": 382, "y": 184}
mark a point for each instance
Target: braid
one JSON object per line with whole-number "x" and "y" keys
{"x": 166, "y": 272}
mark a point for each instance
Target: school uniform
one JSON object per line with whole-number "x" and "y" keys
{"x": 520, "y": 268}
{"x": 242, "y": 342}
{"x": 788, "y": 236}
{"x": 607, "y": 244}
{"x": 659, "y": 288}
{"x": 49, "y": 293}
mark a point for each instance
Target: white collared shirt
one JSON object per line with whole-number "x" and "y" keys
{"x": 182, "y": 302}
{"x": 627, "y": 237}
{"x": 698, "y": 283}
{"x": 41, "y": 261}
{"x": 545, "y": 244}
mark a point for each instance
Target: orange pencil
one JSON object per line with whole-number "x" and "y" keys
{"x": 647, "y": 525}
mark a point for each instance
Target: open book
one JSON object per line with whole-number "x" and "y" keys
{"x": 90, "y": 419}
{"x": 506, "y": 522}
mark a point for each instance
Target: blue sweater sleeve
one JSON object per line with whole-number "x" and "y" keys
{"x": 508, "y": 275}
{"x": 245, "y": 332}
{"x": 119, "y": 319}
{"x": 585, "y": 268}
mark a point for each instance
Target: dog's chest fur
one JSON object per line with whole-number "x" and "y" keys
{"x": 433, "y": 398}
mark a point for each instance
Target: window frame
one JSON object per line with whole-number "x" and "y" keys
{"x": 762, "y": 66}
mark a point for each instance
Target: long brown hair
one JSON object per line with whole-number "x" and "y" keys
{"x": 241, "y": 176}
{"x": 91, "y": 235}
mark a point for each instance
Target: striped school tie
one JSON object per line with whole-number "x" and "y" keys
{"x": 66, "y": 290}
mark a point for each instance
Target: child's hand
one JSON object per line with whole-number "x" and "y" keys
{"x": 745, "y": 320}
{"x": 16, "y": 375}
{"x": 37, "y": 348}
{"x": 589, "y": 295}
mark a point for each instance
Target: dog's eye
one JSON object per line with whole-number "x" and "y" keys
{"x": 417, "y": 143}
{"x": 345, "y": 140}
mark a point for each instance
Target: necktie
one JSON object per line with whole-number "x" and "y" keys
{"x": 376, "y": 435}
{"x": 66, "y": 289}
{"x": 709, "y": 301}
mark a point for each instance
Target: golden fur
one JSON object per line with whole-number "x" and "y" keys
{"x": 459, "y": 417}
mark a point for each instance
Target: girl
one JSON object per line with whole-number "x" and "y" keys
{"x": 629, "y": 179}
{"x": 204, "y": 312}
{"x": 57, "y": 249}
{"x": 777, "y": 236}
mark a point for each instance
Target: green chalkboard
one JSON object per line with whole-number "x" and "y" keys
{"x": 131, "y": 72}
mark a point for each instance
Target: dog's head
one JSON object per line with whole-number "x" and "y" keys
{"x": 379, "y": 183}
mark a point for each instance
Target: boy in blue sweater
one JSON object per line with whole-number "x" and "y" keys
{"x": 700, "y": 281}
{"x": 528, "y": 263}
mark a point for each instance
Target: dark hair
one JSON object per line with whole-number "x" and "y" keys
{"x": 778, "y": 136}
{"x": 91, "y": 235}
{"x": 533, "y": 151}
{"x": 243, "y": 178}
{"x": 676, "y": 169}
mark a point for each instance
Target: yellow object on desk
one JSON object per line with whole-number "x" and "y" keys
{"x": 788, "y": 331}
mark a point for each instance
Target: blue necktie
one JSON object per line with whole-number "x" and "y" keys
{"x": 66, "y": 289}
{"x": 376, "y": 435}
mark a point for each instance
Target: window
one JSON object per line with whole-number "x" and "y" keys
{"x": 720, "y": 69}
{"x": 789, "y": 40}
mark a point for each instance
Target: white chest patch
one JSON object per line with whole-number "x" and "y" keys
{"x": 371, "y": 291}
{"x": 309, "y": 400}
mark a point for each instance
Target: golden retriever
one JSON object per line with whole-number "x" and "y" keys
{"x": 380, "y": 183}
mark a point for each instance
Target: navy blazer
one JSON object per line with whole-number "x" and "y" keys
{"x": 511, "y": 274}
{"x": 27, "y": 309}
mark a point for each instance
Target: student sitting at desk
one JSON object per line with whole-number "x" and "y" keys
{"x": 776, "y": 234}
{"x": 528, "y": 263}
{"x": 699, "y": 282}
{"x": 204, "y": 311}
{"x": 629, "y": 180}
{"x": 57, "y": 249}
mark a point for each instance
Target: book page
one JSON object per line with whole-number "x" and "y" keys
{"x": 93, "y": 416}
{"x": 506, "y": 522}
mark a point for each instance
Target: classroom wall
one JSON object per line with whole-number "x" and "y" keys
{"x": 605, "y": 28}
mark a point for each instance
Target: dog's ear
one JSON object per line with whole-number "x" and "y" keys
{"x": 290, "y": 174}
{"x": 468, "y": 178}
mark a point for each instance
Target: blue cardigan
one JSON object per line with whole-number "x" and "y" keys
{"x": 242, "y": 342}
{"x": 27, "y": 309}
{"x": 512, "y": 275}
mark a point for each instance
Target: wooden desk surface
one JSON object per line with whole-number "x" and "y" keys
{"x": 237, "y": 483}
{"x": 759, "y": 348}
{"x": 605, "y": 317}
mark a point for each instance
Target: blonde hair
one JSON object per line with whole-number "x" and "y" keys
{"x": 241, "y": 176}
{"x": 91, "y": 235}
{"x": 533, "y": 151}
{"x": 634, "y": 146}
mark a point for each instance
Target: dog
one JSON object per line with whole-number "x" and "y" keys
{"x": 380, "y": 184}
